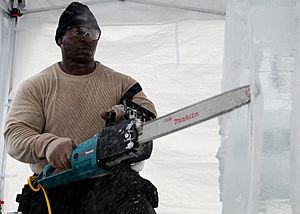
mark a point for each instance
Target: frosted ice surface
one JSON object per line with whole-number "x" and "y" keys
{"x": 256, "y": 176}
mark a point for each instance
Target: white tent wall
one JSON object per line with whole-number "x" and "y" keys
{"x": 176, "y": 54}
{"x": 6, "y": 50}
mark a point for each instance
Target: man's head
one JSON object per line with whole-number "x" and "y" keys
{"x": 76, "y": 14}
{"x": 77, "y": 33}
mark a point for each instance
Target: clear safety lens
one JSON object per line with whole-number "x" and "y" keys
{"x": 81, "y": 32}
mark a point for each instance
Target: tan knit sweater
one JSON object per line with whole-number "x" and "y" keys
{"x": 54, "y": 104}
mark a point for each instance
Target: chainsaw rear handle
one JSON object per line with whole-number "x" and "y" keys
{"x": 132, "y": 110}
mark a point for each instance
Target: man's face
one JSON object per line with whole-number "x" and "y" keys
{"x": 79, "y": 44}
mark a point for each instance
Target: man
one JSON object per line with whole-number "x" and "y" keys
{"x": 61, "y": 107}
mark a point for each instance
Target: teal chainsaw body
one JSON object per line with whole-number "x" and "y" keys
{"x": 83, "y": 162}
{"x": 95, "y": 156}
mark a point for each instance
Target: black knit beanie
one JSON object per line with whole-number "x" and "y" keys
{"x": 76, "y": 14}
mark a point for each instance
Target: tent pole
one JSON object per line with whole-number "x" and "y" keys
{"x": 202, "y": 10}
{"x": 8, "y": 63}
{"x": 60, "y": 7}
{"x": 177, "y": 44}
{"x": 5, "y": 10}
{"x": 12, "y": 74}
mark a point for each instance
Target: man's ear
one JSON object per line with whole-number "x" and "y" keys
{"x": 59, "y": 41}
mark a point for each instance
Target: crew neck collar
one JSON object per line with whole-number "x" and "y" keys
{"x": 76, "y": 76}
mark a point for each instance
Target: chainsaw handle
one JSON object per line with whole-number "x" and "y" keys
{"x": 110, "y": 118}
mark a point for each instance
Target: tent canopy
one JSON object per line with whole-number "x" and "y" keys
{"x": 174, "y": 48}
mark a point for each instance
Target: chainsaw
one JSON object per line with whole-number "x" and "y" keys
{"x": 124, "y": 140}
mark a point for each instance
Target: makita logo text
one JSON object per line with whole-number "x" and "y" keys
{"x": 186, "y": 117}
{"x": 168, "y": 119}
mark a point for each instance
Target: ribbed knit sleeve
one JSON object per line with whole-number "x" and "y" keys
{"x": 24, "y": 124}
{"x": 140, "y": 98}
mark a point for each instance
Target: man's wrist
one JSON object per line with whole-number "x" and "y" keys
{"x": 42, "y": 143}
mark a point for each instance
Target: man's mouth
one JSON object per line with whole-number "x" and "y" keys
{"x": 85, "y": 48}
{"x": 85, "y": 51}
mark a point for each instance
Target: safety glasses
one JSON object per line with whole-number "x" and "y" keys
{"x": 81, "y": 32}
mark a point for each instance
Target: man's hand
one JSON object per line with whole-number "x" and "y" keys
{"x": 118, "y": 109}
{"x": 58, "y": 153}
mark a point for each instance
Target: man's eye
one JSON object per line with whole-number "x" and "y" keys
{"x": 79, "y": 33}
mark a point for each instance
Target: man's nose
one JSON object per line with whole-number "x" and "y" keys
{"x": 87, "y": 37}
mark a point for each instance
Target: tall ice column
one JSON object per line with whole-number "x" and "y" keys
{"x": 259, "y": 160}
